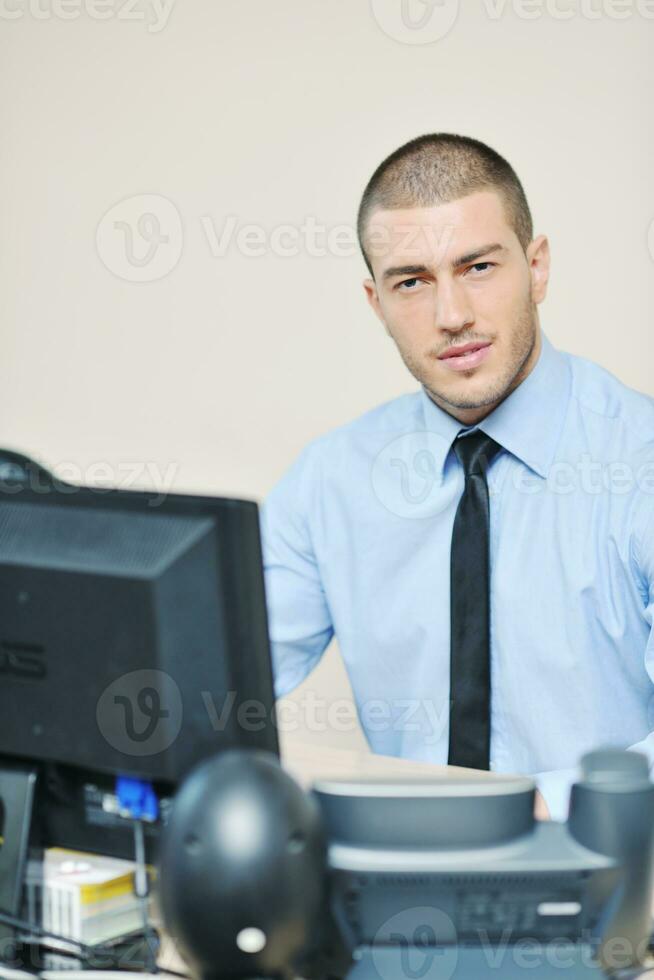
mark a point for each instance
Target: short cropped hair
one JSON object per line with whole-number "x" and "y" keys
{"x": 439, "y": 168}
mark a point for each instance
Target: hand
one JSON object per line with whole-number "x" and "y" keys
{"x": 541, "y": 811}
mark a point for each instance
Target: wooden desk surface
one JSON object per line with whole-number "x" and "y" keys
{"x": 307, "y": 762}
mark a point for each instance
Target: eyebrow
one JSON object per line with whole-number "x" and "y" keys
{"x": 417, "y": 270}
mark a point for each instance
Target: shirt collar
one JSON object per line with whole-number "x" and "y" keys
{"x": 527, "y": 423}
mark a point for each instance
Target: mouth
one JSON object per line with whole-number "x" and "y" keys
{"x": 466, "y": 356}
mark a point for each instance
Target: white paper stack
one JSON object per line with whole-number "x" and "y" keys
{"x": 84, "y": 896}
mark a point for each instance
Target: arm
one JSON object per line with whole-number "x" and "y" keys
{"x": 555, "y": 785}
{"x": 299, "y": 621}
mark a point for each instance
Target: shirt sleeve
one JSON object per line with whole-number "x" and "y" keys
{"x": 556, "y": 784}
{"x": 299, "y": 619}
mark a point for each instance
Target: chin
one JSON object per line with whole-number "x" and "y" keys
{"x": 471, "y": 395}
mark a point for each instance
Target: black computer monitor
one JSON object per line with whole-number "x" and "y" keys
{"x": 133, "y": 642}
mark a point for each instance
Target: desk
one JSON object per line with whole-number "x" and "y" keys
{"x": 307, "y": 763}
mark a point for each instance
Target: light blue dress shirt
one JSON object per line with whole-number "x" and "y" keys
{"x": 357, "y": 537}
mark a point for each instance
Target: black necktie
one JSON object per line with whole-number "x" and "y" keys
{"x": 470, "y": 609}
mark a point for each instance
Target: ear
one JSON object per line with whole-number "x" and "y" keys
{"x": 373, "y": 298}
{"x": 538, "y": 259}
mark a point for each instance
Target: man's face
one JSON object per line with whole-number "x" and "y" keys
{"x": 451, "y": 276}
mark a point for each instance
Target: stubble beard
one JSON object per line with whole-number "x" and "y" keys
{"x": 522, "y": 346}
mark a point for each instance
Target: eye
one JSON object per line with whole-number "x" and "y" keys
{"x": 482, "y": 266}
{"x": 410, "y": 285}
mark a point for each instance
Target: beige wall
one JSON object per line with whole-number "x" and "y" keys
{"x": 214, "y": 374}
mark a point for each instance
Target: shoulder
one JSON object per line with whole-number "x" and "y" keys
{"x": 396, "y": 412}
{"x": 614, "y": 422}
{"x": 598, "y": 392}
{"x": 398, "y": 415}
{"x": 336, "y": 450}
{"x": 618, "y": 422}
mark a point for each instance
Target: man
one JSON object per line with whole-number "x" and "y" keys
{"x": 482, "y": 548}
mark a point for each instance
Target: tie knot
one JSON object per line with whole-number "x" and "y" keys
{"x": 475, "y": 452}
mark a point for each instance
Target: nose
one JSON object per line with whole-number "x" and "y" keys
{"x": 453, "y": 310}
